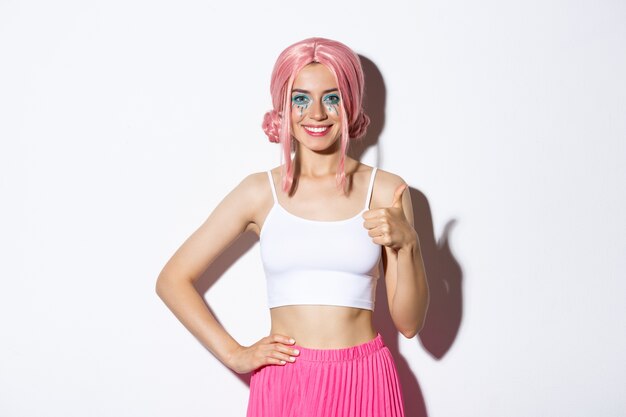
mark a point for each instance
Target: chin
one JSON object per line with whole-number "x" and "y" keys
{"x": 317, "y": 142}
{"x": 318, "y": 146}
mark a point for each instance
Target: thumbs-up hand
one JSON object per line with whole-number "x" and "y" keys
{"x": 389, "y": 226}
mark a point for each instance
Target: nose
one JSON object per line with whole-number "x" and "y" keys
{"x": 318, "y": 111}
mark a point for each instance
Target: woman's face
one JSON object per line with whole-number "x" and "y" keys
{"x": 315, "y": 120}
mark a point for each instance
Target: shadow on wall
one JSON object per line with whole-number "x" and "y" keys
{"x": 444, "y": 273}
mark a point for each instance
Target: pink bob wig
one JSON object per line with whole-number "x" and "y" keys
{"x": 345, "y": 65}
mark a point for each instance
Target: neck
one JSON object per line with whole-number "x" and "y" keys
{"x": 318, "y": 164}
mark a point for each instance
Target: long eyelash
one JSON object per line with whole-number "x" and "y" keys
{"x": 332, "y": 101}
{"x": 301, "y": 106}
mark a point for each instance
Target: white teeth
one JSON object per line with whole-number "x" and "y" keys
{"x": 316, "y": 129}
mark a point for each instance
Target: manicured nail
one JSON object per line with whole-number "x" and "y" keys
{"x": 292, "y": 340}
{"x": 291, "y": 358}
{"x": 283, "y": 362}
{"x": 296, "y": 351}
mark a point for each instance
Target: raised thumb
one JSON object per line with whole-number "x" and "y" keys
{"x": 397, "y": 196}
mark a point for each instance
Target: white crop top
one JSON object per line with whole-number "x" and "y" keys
{"x": 319, "y": 262}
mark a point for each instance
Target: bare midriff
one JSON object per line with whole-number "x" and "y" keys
{"x": 323, "y": 326}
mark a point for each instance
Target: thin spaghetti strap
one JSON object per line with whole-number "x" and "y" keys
{"x": 269, "y": 174}
{"x": 370, "y": 188}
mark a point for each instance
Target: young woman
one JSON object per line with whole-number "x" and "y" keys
{"x": 325, "y": 222}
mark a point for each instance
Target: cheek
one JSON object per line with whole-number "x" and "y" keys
{"x": 333, "y": 110}
{"x": 297, "y": 114}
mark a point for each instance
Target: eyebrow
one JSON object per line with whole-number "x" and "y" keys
{"x": 298, "y": 90}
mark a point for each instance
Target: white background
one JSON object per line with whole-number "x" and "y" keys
{"x": 123, "y": 123}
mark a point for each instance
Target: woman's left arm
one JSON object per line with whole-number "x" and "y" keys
{"x": 405, "y": 276}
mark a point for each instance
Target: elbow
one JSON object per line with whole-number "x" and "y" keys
{"x": 411, "y": 332}
{"x": 420, "y": 321}
{"x": 408, "y": 334}
{"x": 169, "y": 283}
{"x": 162, "y": 285}
{"x": 158, "y": 288}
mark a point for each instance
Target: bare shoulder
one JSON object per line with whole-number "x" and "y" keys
{"x": 252, "y": 184}
{"x": 254, "y": 190}
{"x": 255, "y": 196}
{"x": 385, "y": 185}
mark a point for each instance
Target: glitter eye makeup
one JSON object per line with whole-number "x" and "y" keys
{"x": 332, "y": 101}
{"x": 300, "y": 101}
{"x": 303, "y": 101}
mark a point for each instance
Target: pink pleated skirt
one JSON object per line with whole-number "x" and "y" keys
{"x": 358, "y": 381}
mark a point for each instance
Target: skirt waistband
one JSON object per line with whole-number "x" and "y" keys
{"x": 341, "y": 354}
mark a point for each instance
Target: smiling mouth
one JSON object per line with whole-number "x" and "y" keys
{"x": 317, "y": 130}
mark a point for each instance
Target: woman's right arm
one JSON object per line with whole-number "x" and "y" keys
{"x": 175, "y": 284}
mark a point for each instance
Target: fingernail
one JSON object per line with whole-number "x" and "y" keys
{"x": 292, "y": 341}
{"x": 291, "y": 358}
{"x": 296, "y": 351}
{"x": 283, "y": 362}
